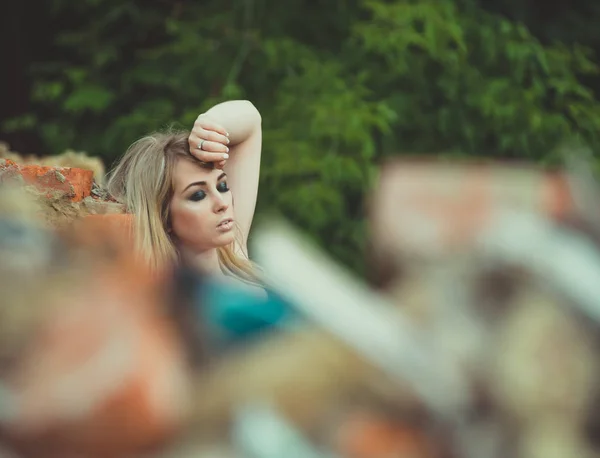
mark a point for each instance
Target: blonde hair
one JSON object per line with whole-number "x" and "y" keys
{"x": 142, "y": 181}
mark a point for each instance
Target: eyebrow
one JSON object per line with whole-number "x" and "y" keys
{"x": 203, "y": 183}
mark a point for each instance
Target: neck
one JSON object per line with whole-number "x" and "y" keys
{"x": 207, "y": 261}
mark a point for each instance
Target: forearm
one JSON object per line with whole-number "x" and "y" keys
{"x": 239, "y": 117}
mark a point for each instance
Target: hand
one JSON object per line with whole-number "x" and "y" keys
{"x": 208, "y": 141}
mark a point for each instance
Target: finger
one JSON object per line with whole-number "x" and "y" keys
{"x": 206, "y": 123}
{"x": 210, "y": 135}
{"x": 206, "y": 156}
{"x": 212, "y": 147}
{"x": 220, "y": 165}
{"x": 197, "y": 143}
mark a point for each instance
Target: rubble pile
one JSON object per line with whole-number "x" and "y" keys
{"x": 63, "y": 193}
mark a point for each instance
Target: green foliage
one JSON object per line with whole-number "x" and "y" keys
{"x": 477, "y": 82}
{"x": 340, "y": 87}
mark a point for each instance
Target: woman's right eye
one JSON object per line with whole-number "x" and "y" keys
{"x": 198, "y": 195}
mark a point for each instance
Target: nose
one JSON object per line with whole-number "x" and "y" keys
{"x": 220, "y": 205}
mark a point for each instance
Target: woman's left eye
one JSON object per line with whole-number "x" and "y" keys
{"x": 222, "y": 187}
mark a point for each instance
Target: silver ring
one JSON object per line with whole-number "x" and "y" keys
{"x": 201, "y": 143}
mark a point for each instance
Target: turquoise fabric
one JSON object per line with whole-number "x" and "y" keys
{"x": 236, "y": 315}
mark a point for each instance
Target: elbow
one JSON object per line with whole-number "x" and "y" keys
{"x": 253, "y": 112}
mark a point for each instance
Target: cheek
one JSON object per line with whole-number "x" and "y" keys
{"x": 187, "y": 219}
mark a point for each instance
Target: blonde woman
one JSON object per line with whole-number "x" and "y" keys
{"x": 193, "y": 194}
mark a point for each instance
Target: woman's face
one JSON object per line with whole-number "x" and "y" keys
{"x": 201, "y": 207}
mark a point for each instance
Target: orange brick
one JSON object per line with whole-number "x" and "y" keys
{"x": 75, "y": 183}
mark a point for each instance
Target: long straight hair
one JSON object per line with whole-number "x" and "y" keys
{"x": 143, "y": 182}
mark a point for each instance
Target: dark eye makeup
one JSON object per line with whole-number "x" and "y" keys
{"x": 222, "y": 187}
{"x": 197, "y": 196}
{"x": 200, "y": 195}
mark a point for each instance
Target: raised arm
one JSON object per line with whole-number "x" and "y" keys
{"x": 242, "y": 122}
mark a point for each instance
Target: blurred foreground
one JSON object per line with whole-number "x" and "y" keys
{"x": 477, "y": 337}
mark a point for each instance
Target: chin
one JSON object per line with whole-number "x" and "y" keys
{"x": 225, "y": 239}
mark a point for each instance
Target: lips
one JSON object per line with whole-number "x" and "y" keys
{"x": 225, "y": 225}
{"x": 225, "y": 222}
